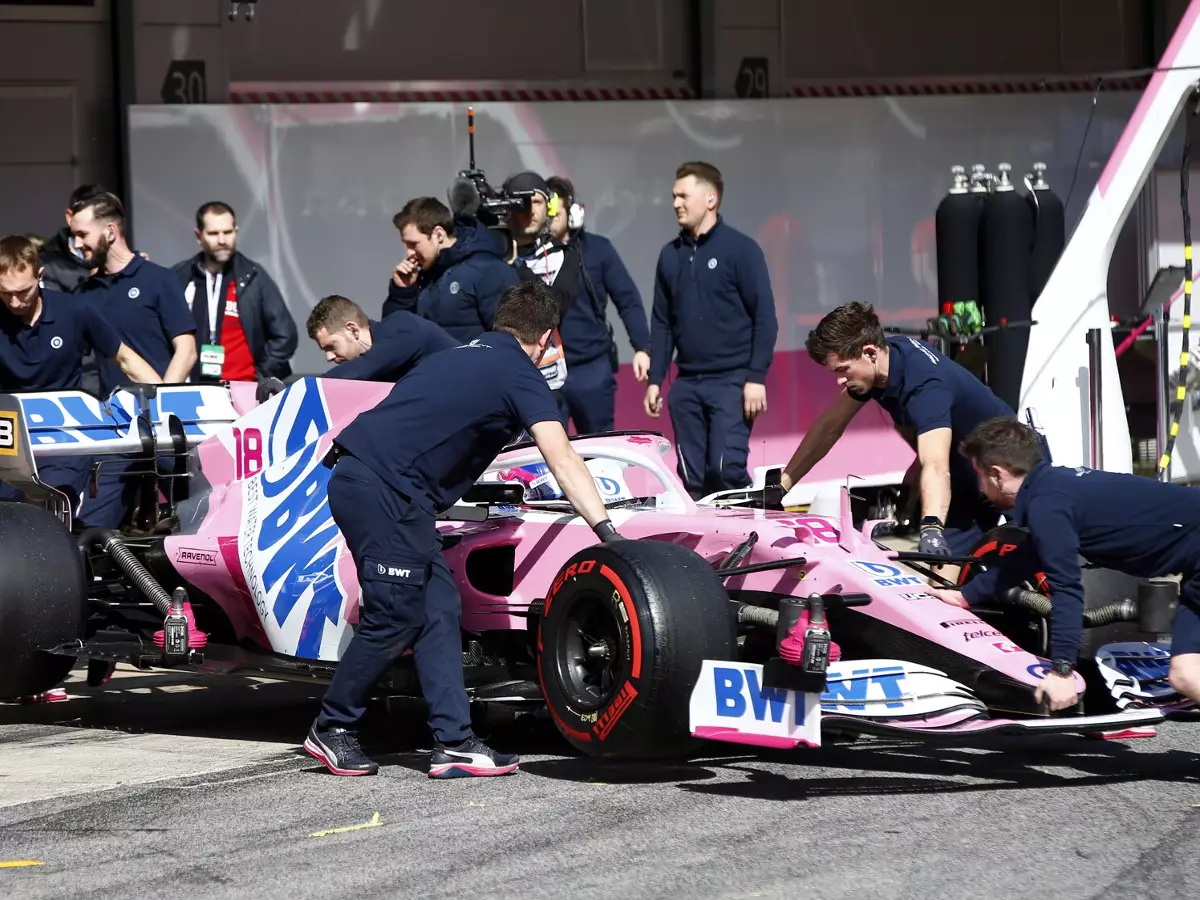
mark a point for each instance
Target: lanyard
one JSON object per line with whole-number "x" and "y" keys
{"x": 213, "y": 284}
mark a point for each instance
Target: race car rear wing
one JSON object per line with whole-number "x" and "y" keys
{"x": 138, "y": 418}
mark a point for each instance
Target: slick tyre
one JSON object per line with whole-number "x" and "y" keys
{"x": 42, "y": 599}
{"x": 624, "y": 630}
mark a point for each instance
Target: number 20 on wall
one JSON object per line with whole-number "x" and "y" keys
{"x": 247, "y": 452}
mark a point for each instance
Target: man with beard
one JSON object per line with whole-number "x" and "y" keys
{"x": 248, "y": 332}
{"x": 453, "y": 273}
{"x": 144, "y": 303}
{"x": 64, "y": 267}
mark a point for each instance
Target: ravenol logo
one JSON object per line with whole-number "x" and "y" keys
{"x": 885, "y": 574}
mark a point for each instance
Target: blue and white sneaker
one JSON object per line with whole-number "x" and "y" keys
{"x": 471, "y": 758}
{"x": 339, "y": 749}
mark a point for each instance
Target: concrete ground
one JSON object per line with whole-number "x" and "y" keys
{"x": 171, "y": 785}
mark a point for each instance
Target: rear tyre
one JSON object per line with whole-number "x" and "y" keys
{"x": 620, "y": 644}
{"x": 43, "y": 599}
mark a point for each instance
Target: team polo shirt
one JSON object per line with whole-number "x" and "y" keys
{"x": 48, "y": 355}
{"x": 927, "y": 390}
{"x": 144, "y": 303}
{"x": 398, "y": 342}
{"x": 442, "y": 424}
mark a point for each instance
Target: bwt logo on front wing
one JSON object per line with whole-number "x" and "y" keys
{"x": 885, "y": 574}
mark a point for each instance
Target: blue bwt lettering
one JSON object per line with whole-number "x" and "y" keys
{"x": 730, "y": 687}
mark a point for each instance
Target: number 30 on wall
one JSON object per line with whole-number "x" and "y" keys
{"x": 247, "y": 452}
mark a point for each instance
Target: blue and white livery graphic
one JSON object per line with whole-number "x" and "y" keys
{"x": 288, "y": 541}
{"x": 74, "y": 423}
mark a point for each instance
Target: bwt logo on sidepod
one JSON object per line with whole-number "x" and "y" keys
{"x": 885, "y": 574}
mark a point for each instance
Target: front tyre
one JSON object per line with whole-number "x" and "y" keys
{"x": 623, "y": 634}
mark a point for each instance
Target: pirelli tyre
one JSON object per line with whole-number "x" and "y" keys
{"x": 43, "y": 599}
{"x": 624, "y": 629}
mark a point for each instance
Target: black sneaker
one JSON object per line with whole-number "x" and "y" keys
{"x": 471, "y": 758}
{"x": 339, "y": 750}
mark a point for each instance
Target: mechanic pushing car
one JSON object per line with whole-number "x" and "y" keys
{"x": 1127, "y": 523}
{"x": 43, "y": 338}
{"x": 395, "y": 468}
{"x": 362, "y": 350}
{"x": 934, "y": 402}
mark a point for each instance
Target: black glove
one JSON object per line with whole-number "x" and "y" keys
{"x": 933, "y": 539}
{"x": 607, "y": 532}
{"x": 268, "y": 388}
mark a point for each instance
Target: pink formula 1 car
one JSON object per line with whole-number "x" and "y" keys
{"x": 721, "y": 620}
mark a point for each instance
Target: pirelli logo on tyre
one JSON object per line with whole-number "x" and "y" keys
{"x": 8, "y": 433}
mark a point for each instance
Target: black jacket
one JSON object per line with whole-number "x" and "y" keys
{"x": 64, "y": 270}
{"x": 270, "y": 329}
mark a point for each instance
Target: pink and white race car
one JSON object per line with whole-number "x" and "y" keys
{"x": 721, "y": 620}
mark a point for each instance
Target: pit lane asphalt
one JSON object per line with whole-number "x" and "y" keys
{"x": 176, "y": 786}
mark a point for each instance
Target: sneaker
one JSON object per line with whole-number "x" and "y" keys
{"x": 470, "y": 758}
{"x": 339, "y": 750}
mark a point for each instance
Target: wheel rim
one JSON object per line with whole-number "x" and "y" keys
{"x": 589, "y": 655}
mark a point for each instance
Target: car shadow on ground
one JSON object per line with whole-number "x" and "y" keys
{"x": 920, "y": 768}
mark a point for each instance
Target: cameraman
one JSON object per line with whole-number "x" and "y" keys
{"x": 454, "y": 271}
{"x": 589, "y": 394}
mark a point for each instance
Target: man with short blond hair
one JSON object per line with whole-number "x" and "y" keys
{"x": 363, "y": 350}
{"x": 713, "y": 305}
{"x": 43, "y": 338}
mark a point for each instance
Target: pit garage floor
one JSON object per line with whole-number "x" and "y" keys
{"x": 170, "y": 785}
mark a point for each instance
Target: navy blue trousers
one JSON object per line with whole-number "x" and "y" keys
{"x": 68, "y": 474}
{"x": 116, "y": 490}
{"x": 589, "y": 396}
{"x": 408, "y": 599}
{"x": 712, "y": 434}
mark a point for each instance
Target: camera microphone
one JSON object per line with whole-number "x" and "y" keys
{"x": 464, "y": 197}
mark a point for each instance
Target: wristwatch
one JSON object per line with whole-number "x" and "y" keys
{"x": 1062, "y": 667}
{"x": 932, "y": 520}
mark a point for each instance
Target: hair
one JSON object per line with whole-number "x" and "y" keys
{"x": 332, "y": 313}
{"x": 1005, "y": 442}
{"x": 104, "y": 206}
{"x": 703, "y": 172}
{"x": 85, "y": 192}
{"x": 16, "y": 252}
{"x": 216, "y": 207}
{"x": 564, "y": 189}
{"x": 845, "y": 331}
{"x": 527, "y": 310}
{"x": 426, "y": 213}
{"x": 37, "y": 240}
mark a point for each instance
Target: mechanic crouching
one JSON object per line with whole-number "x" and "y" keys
{"x": 1127, "y": 523}
{"x": 43, "y": 338}
{"x": 399, "y": 465}
{"x": 362, "y": 350}
{"x": 934, "y": 403}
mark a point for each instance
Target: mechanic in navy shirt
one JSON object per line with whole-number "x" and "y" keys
{"x": 43, "y": 338}
{"x": 399, "y": 465}
{"x": 712, "y": 302}
{"x": 934, "y": 402}
{"x": 1128, "y": 523}
{"x": 144, "y": 302}
{"x": 363, "y": 350}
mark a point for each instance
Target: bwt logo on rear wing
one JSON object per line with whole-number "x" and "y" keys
{"x": 74, "y": 423}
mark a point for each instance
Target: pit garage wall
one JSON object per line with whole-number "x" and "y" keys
{"x": 839, "y": 193}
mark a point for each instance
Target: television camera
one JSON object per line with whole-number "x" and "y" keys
{"x": 472, "y": 195}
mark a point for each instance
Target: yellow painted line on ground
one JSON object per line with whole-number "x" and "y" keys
{"x": 19, "y": 863}
{"x": 375, "y": 822}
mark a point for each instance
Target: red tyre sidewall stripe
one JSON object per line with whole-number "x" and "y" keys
{"x": 635, "y": 627}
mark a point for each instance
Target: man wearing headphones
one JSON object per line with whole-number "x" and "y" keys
{"x": 713, "y": 303}
{"x": 588, "y": 397}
